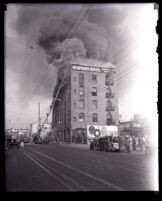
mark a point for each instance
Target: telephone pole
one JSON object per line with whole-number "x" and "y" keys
{"x": 39, "y": 123}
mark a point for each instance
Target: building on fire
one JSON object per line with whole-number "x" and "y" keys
{"x": 87, "y": 97}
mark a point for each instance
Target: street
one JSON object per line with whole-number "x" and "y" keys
{"x": 65, "y": 167}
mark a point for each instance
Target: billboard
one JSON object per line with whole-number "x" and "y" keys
{"x": 94, "y": 131}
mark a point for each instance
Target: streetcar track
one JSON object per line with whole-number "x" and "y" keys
{"x": 109, "y": 184}
{"x": 49, "y": 172}
{"x": 59, "y": 173}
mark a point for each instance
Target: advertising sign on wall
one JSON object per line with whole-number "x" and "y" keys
{"x": 94, "y": 69}
{"x": 94, "y": 131}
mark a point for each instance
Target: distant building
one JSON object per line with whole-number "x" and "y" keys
{"x": 23, "y": 131}
{"x": 87, "y": 98}
{"x": 133, "y": 128}
{"x": 34, "y": 129}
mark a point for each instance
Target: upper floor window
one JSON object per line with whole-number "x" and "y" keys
{"x": 74, "y": 105}
{"x": 94, "y": 104}
{"x": 81, "y": 117}
{"x": 109, "y": 79}
{"x": 81, "y": 90}
{"x": 81, "y": 79}
{"x": 109, "y": 120}
{"x": 108, "y": 90}
{"x": 81, "y": 104}
{"x": 75, "y": 91}
{"x": 74, "y": 79}
{"x": 74, "y": 119}
{"x": 94, "y": 91}
{"x": 94, "y": 78}
{"x": 109, "y": 104}
{"x": 94, "y": 117}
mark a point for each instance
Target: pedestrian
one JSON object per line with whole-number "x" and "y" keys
{"x": 22, "y": 144}
{"x": 127, "y": 144}
{"x": 140, "y": 142}
{"x": 134, "y": 143}
{"x": 147, "y": 145}
{"x": 130, "y": 143}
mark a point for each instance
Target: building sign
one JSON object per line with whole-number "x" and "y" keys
{"x": 94, "y": 131}
{"x": 93, "y": 69}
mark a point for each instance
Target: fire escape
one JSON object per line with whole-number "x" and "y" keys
{"x": 109, "y": 81}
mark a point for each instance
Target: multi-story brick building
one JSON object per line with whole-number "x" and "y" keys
{"x": 87, "y": 97}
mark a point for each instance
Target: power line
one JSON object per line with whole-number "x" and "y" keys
{"x": 67, "y": 43}
{"x": 17, "y": 41}
{"x": 49, "y": 69}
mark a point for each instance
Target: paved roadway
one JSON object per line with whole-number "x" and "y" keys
{"x": 64, "y": 167}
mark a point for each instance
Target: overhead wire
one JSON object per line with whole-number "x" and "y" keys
{"x": 49, "y": 68}
{"x": 66, "y": 44}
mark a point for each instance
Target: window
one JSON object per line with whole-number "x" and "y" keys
{"x": 75, "y": 91}
{"x": 94, "y": 91}
{"x": 109, "y": 105}
{"x": 94, "y": 78}
{"x": 108, "y": 90}
{"x": 81, "y": 90}
{"x": 109, "y": 116}
{"x": 74, "y": 119}
{"x": 109, "y": 120}
{"x": 74, "y": 79}
{"x": 74, "y": 105}
{"x": 81, "y": 79}
{"x": 81, "y": 104}
{"x": 109, "y": 79}
{"x": 81, "y": 117}
{"x": 94, "y": 104}
{"x": 94, "y": 117}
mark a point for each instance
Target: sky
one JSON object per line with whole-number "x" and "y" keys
{"x": 35, "y": 39}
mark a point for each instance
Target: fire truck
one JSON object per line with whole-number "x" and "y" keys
{"x": 104, "y": 138}
{"x": 107, "y": 143}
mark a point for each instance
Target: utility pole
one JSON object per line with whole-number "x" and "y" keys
{"x": 39, "y": 118}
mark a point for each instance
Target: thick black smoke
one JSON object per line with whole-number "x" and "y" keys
{"x": 99, "y": 36}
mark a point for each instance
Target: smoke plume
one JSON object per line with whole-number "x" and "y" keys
{"x": 98, "y": 36}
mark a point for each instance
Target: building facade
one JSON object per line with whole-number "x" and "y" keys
{"x": 87, "y": 97}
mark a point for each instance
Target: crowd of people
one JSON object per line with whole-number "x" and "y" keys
{"x": 132, "y": 143}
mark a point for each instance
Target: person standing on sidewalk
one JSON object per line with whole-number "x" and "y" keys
{"x": 147, "y": 145}
{"x": 134, "y": 143}
{"x": 127, "y": 144}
